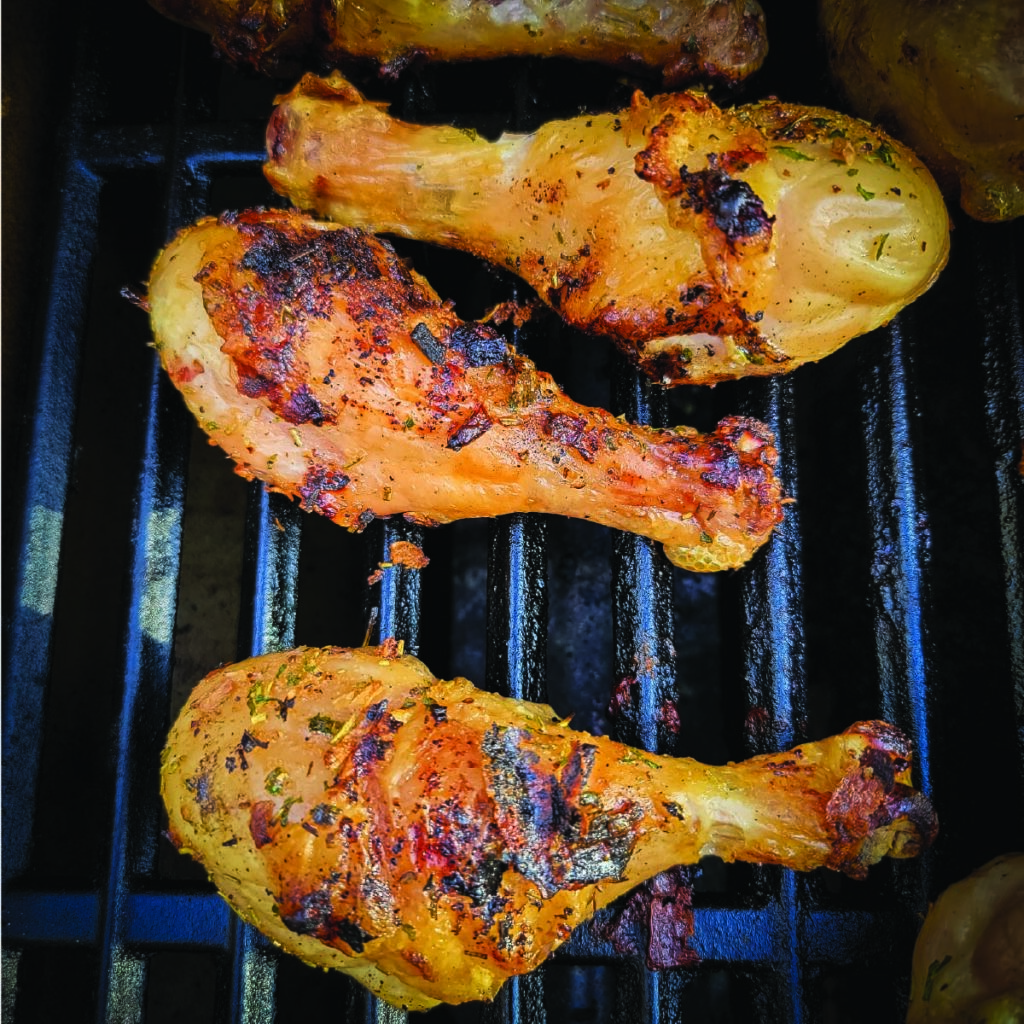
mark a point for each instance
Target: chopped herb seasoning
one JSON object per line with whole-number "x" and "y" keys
{"x": 885, "y": 154}
{"x": 933, "y": 971}
{"x": 282, "y": 815}
{"x": 852, "y": 172}
{"x": 275, "y": 781}
{"x": 881, "y": 245}
{"x": 325, "y": 725}
{"x": 864, "y": 193}
{"x": 793, "y": 154}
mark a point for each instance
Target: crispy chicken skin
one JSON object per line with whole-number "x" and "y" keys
{"x": 326, "y": 368}
{"x": 433, "y": 839}
{"x": 683, "y": 40}
{"x": 947, "y": 77}
{"x": 709, "y": 243}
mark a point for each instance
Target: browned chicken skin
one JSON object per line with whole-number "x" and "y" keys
{"x": 707, "y": 243}
{"x": 946, "y": 77}
{"x": 686, "y": 40}
{"x": 433, "y": 839}
{"x": 329, "y": 370}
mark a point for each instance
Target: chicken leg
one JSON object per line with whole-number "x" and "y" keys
{"x": 432, "y": 839}
{"x": 326, "y": 368}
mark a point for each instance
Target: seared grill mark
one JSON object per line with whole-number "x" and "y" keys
{"x": 481, "y": 345}
{"x": 428, "y": 344}
{"x": 302, "y": 406}
{"x": 318, "y": 488}
{"x": 573, "y": 433}
{"x": 293, "y": 264}
{"x": 553, "y": 837}
{"x": 261, "y": 823}
{"x": 313, "y": 914}
{"x": 201, "y": 785}
{"x": 735, "y": 209}
{"x": 289, "y": 275}
{"x": 477, "y": 425}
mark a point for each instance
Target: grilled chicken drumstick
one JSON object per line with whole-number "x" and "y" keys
{"x": 713, "y": 40}
{"x": 708, "y": 243}
{"x": 326, "y": 368}
{"x": 432, "y": 839}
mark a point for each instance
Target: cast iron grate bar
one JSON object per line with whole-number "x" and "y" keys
{"x": 29, "y": 635}
{"x": 149, "y": 636}
{"x": 776, "y": 697}
{"x": 997, "y": 273}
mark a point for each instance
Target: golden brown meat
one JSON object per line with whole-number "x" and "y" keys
{"x": 708, "y": 243}
{"x": 433, "y": 839}
{"x": 969, "y": 957}
{"x": 684, "y": 40}
{"x": 326, "y": 368}
{"x": 947, "y": 77}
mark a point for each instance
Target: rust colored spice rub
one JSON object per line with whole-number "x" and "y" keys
{"x": 329, "y": 370}
{"x": 432, "y": 839}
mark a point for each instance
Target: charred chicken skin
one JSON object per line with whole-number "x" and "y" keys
{"x": 432, "y": 839}
{"x": 708, "y": 243}
{"x": 328, "y": 369}
{"x": 684, "y": 40}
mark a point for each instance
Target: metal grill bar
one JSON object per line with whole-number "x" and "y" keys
{"x": 898, "y": 570}
{"x": 996, "y": 289}
{"x": 27, "y": 648}
{"x": 776, "y": 686}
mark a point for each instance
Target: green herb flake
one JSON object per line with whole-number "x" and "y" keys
{"x": 275, "y": 781}
{"x": 257, "y": 696}
{"x": 409, "y": 423}
{"x": 633, "y": 756}
{"x": 325, "y": 725}
{"x": 706, "y": 538}
{"x": 852, "y": 172}
{"x": 885, "y": 154}
{"x": 864, "y": 193}
{"x": 881, "y": 245}
{"x": 286, "y": 807}
{"x": 793, "y": 154}
{"x": 933, "y": 972}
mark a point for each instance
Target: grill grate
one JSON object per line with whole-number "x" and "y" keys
{"x": 136, "y": 561}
